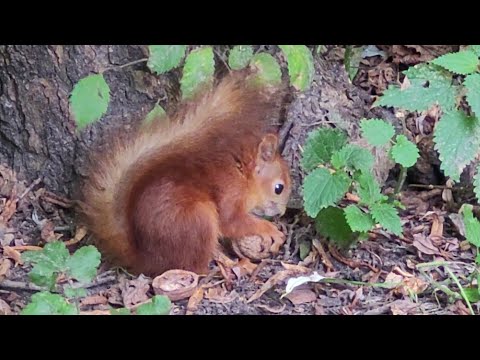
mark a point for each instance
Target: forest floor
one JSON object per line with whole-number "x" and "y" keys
{"x": 416, "y": 273}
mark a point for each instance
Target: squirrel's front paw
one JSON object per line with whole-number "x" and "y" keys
{"x": 274, "y": 235}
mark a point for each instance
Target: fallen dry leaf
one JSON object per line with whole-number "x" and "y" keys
{"x": 220, "y": 295}
{"x": 114, "y": 295}
{"x": 301, "y": 296}
{"x": 403, "y": 307}
{"x": 424, "y": 244}
{"x": 79, "y": 235}
{"x": 176, "y": 284}
{"x": 47, "y": 234}
{"x": 457, "y": 221}
{"x": 94, "y": 300}
{"x": 406, "y": 285}
{"x": 244, "y": 267}
{"x": 8, "y": 211}
{"x": 135, "y": 291}
{"x": 12, "y": 254}
{"x": 96, "y": 312}
{"x": 437, "y": 226}
{"x": 271, "y": 309}
{"x": 5, "y": 308}
{"x": 194, "y": 301}
{"x": 5, "y": 266}
{"x": 7, "y": 239}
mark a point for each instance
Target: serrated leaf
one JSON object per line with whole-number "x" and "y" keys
{"x": 156, "y": 113}
{"x": 472, "y": 84}
{"x": 472, "y": 225}
{"x": 320, "y": 146}
{"x": 472, "y": 294}
{"x": 476, "y": 183}
{"x": 357, "y": 219}
{"x": 300, "y": 65}
{"x": 198, "y": 71}
{"x": 457, "y": 140}
{"x": 89, "y": 99}
{"x": 404, "y": 151}
{"x": 160, "y": 305}
{"x": 376, "y": 131}
{"x": 45, "y": 303}
{"x": 240, "y": 56}
{"x": 475, "y": 49}
{"x": 353, "y": 56}
{"x": 164, "y": 58}
{"x": 43, "y": 274}
{"x": 387, "y": 216}
{"x": 462, "y": 62}
{"x": 331, "y": 223}
{"x": 268, "y": 70}
{"x": 429, "y": 85}
{"x": 322, "y": 189}
{"x": 83, "y": 264}
{"x": 368, "y": 189}
{"x": 121, "y": 311}
{"x": 353, "y": 157}
{"x": 74, "y": 293}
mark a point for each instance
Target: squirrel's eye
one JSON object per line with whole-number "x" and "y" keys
{"x": 278, "y": 189}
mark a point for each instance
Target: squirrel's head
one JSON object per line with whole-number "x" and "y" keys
{"x": 271, "y": 179}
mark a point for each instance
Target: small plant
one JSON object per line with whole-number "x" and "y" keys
{"x": 54, "y": 262}
{"x": 472, "y": 234}
{"x": 335, "y": 167}
{"x": 444, "y": 82}
{"x": 90, "y": 97}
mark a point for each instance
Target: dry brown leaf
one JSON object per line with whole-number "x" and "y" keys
{"x": 7, "y": 239}
{"x": 424, "y": 244}
{"x": 94, "y": 300}
{"x": 96, "y": 312}
{"x": 79, "y": 235}
{"x": 5, "y": 308}
{"x": 47, "y": 234}
{"x": 8, "y": 211}
{"x": 135, "y": 291}
{"x": 220, "y": 295}
{"x": 194, "y": 301}
{"x": 302, "y": 296}
{"x": 5, "y": 266}
{"x": 244, "y": 267}
{"x": 437, "y": 226}
{"x": 352, "y": 197}
{"x": 457, "y": 221}
{"x": 271, "y": 309}
{"x": 323, "y": 254}
{"x": 114, "y": 295}
{"x": 403, "y": 307}
{"x": 12, "y": 254}
{"x": 176, "y": 284}
{"x": 299, "y": 269}
{"x": 27, "y": 248}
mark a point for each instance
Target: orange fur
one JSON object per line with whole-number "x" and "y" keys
{"x": 162, "y": 198}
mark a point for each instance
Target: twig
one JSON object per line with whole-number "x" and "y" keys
{"x": 19, "y": 285}
{"x": 118, "y": 67}
{"x": 27, "y": 190}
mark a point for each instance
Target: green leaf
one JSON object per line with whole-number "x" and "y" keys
{"x": 353, "y": 56}
{"x": 472, "y": 294}
{"x": 353, "y": 157}
{"x": 429, "y": 85}
{"x": 404, "y": 151}
{"x": 304, "y": 247}
{"x": 300, "y": 65}
{"x": 475, "y": 49}
{"x": 45, "y": 303}
{"x": 164, "y": 58}
{"x": 121, "y": 311}
{"x": 75, "y": 293}
{"x": 357, "y": 219}
{"x": 320, "y": 146}
{"x": 322, "y": 189}
{"x": 332, "y": 224}
{"x": 44, "y": 274}
{"x": 476, "y": 183}
{"x": 376, "y": 131}
{"x": 472, "y": 84}
{"x": 83, "y": 263}
{"x": 89, "y": 99}
{"x": 156, "y": 113}
{"x": 462, "y": 62}
{"x": 268, "y": 69}
{"x": 198, "y": 71}
{"x": 240, "y": 56}
{"x": 160, "y": 305}
{"x": 368, "y": 189}
{"x": 472, "y": 225}
{"x": 456, "y": 139}
{"x": 387, "y": 216}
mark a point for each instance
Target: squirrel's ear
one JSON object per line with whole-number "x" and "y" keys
{"x": 268, "y": 148}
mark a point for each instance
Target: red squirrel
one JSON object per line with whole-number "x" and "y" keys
{"x": 163, "y": 198}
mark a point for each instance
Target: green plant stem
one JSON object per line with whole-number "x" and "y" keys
{"x": 401, "y": 179}
{"x": 452, "y": 275}
{"x": 118, "y": 67}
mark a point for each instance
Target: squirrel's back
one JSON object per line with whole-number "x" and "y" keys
{"x": 204, "y": 137}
